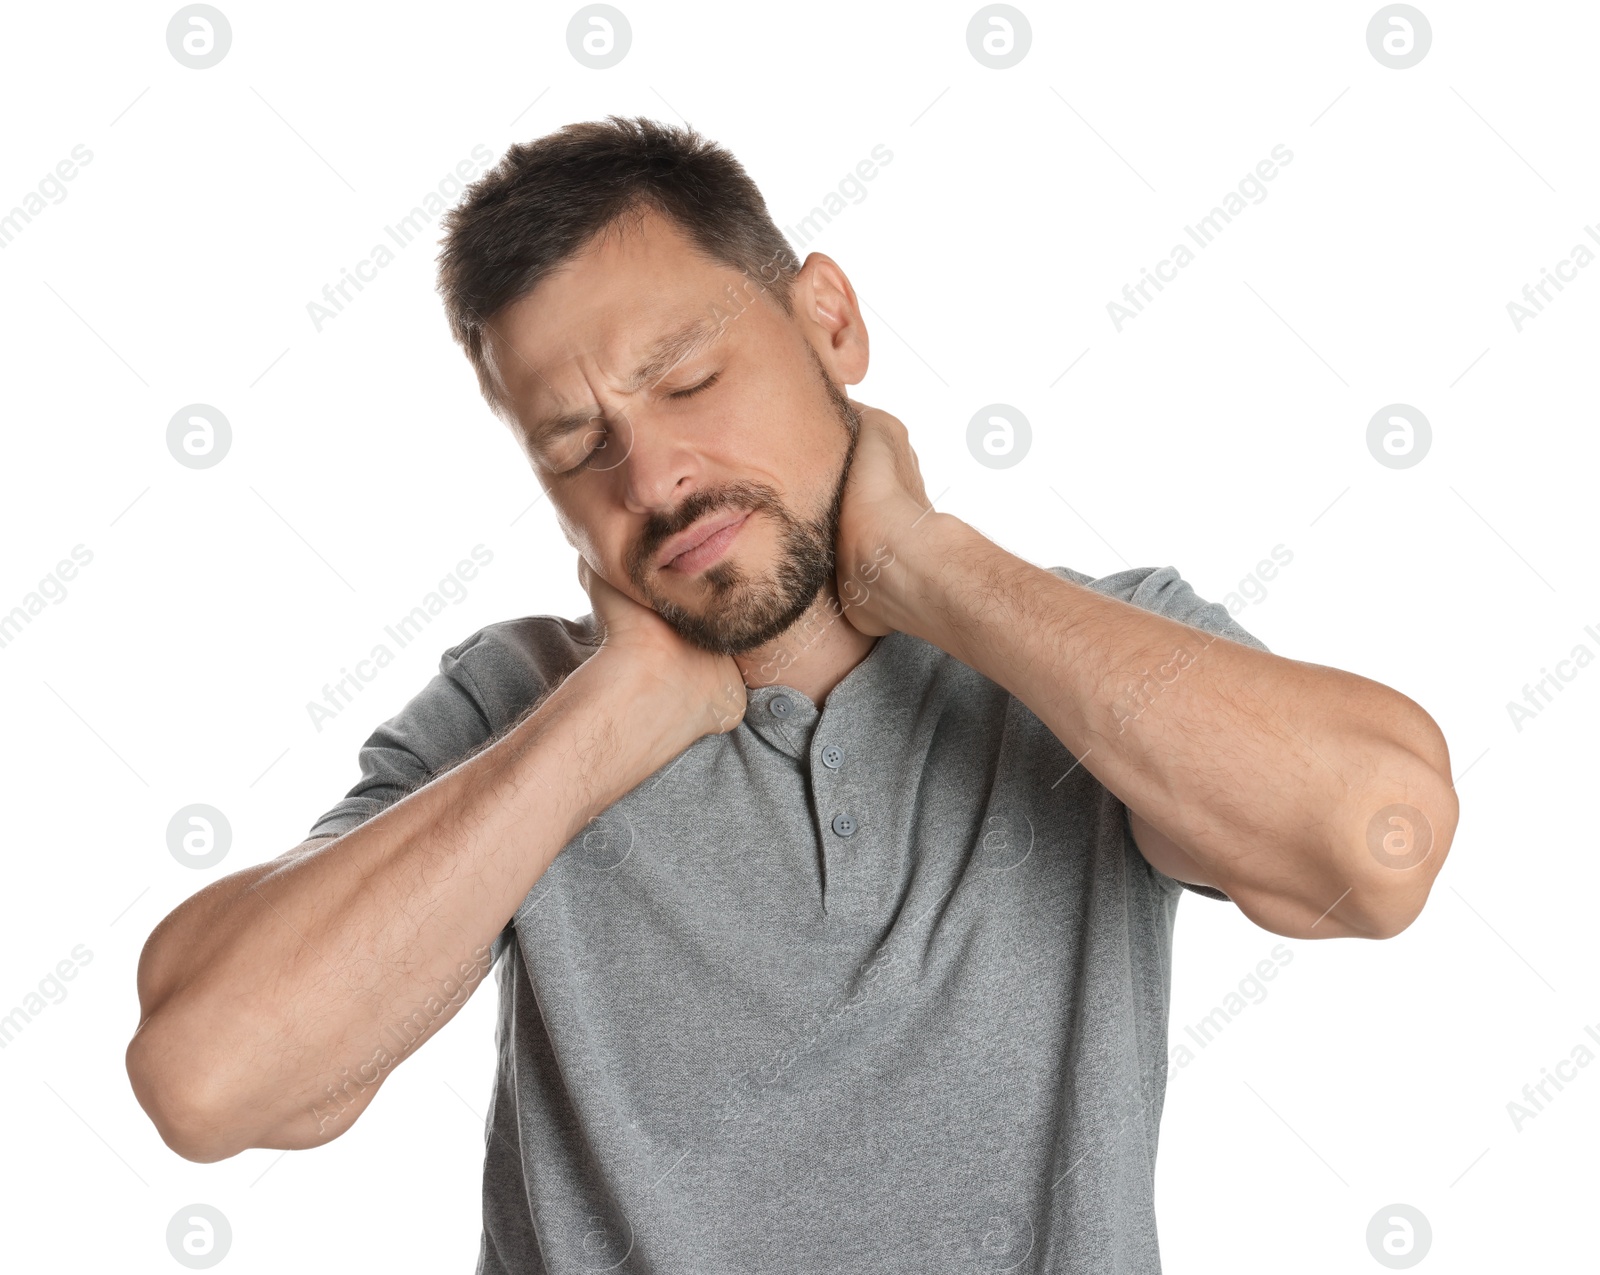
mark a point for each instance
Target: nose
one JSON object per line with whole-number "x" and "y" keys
{"x": 655, "y": 466}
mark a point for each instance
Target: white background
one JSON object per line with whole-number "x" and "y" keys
{"x": 1228, "y": 418}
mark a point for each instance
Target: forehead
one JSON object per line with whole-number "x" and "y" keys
{"x": 641, "y": 280}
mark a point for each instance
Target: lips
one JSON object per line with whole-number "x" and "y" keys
{"x": 698, "y": 533}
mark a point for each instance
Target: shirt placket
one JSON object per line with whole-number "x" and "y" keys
{"x": 849, "y": 821}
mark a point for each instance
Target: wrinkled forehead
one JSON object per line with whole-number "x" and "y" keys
{"x": 614, "y": 308}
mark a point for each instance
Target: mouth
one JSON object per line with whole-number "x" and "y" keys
{"x": 703, "y": 543}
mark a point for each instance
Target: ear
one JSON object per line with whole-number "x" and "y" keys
{"x": 830, "y": 318}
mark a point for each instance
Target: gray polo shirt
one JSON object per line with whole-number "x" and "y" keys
{"x": 876, "y": 987}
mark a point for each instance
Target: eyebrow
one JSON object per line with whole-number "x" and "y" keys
{"x": 674, "y": 348}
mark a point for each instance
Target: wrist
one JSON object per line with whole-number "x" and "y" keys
{"x": 916, "y": 583}
{"x": 665, "y": 696}
{"x": 632, "y": 715}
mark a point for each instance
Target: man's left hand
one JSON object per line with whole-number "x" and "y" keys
{"x": 885, "y": 509}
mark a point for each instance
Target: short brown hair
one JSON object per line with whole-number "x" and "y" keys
{"x": 548, "y": 198}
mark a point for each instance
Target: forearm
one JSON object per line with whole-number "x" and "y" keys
{"x": 300, "y": 981}
{"x": 1267, "y": 771}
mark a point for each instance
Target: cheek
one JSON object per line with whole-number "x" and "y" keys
{"x": 602, "y": 547}
{"x": 778, "y": 433}
{"x": 578, "y": 528}
{"x": 572, "y": 533}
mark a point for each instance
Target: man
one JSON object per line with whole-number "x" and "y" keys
{"x": 833, "y": 859}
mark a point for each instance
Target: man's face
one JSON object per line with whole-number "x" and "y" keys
{"x": 637, "y": 442}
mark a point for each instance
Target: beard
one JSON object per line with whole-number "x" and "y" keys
{"x": 743, "y": 610}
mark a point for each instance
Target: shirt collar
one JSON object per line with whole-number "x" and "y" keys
{"x": 787, "y": 718}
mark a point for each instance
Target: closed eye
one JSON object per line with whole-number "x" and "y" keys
{"x": 603, "y": 434}
{"x": 583, "y": 464}
{"x": 695, "y": 389}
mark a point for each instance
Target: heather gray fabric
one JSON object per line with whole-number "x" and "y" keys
{"x": 739, "y": 1034}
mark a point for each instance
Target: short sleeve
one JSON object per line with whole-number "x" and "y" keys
{"x": 477, "y": 691}
{"x": 1164, "y": 591}
{"x": 441, "y": 724}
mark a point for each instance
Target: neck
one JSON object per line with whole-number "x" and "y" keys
{"x": 813, "y": 655}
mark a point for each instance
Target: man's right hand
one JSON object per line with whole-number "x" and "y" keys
{"x": 711, "y": 686}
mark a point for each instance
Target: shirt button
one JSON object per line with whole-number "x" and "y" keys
{"x": 832, "y": 757}
{"x": 844, "y": 825}
{"x": 780, "y": 705}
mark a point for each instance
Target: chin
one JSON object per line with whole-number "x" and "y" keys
{"x": 742, "y": 616}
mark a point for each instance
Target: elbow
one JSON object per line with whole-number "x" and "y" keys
{"x": 1402, "y": 843}
{"x": 1382, "y": 920}
{"x": 1370, "y": 876}
{"x": 182, "y": 1106}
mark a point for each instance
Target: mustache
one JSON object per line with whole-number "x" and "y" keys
{"x": 749, "y": 496}
{"x": 752, "y": 497}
